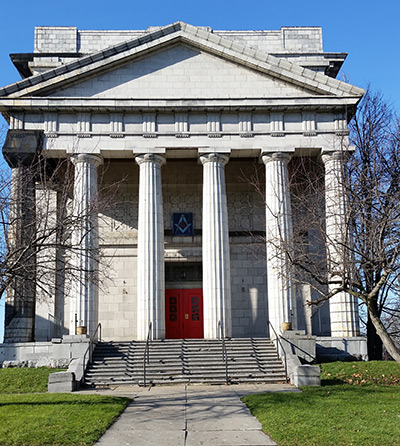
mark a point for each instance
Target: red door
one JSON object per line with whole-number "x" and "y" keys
{"x": 184, "y": 314}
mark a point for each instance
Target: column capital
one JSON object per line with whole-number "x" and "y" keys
{"x": 334, "y": 155}
{"x": 220, "y": 158}
{"x": 90, "y": 158}
{"x": 276, "y": 156}
{"x": 150, "y": 158}
{"x": 22, "y": 146}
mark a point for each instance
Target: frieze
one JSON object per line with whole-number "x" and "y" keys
{"x": 215, "y": 135}
{"x": 342, "y": 132}
{"x": 83, "y": 135}
{"x": 182, "y": 135}
{"x": 277, "y": 134}
{"x": 149, "y": 135}
{"x": 216, "y": 125}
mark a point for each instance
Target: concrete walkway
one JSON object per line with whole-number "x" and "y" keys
{"x": 187, "y": 416}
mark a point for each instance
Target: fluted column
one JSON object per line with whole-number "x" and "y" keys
{"x": 150, "y": 255}
{"x": 343, "y": 306}
{"x": 216, "y": 259}
{"x": 20, "y": 299}
{"x": 279, "y": 234}
{"x": 85, "y": 244}
{"x": 20, "y": 151}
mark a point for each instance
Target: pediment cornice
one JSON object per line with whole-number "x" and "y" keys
{"x": 178, "y": 33}
{"x": 69, "y": 104}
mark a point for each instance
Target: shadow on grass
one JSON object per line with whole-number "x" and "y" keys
{"x": 48, "y": 399}
{"x": 332, "y": 382}
{"x": 56, "y": 403}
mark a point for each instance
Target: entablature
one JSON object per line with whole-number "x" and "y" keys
{"x": 183, "y": 125}
{"x": 189, "y": 148}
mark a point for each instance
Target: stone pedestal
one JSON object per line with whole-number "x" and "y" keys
{"x": 61, "y": 382}
{"x": 343, "y": 306}
{"x": 85, "y": 244}
{"x": 150, "y": 256}
{"x": 216, "y": 260}
{"x": 279, "y": 234}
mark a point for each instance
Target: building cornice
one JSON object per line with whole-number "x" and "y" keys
{"x": 178, "y": 33}
{"x": 99, "y": 105}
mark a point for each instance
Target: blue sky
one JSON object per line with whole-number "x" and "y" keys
{"x": 366, "y": 29}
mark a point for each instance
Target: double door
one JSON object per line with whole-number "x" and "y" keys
{"x": 184, "y": 314}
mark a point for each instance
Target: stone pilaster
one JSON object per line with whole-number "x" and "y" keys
{"x": 150, "y": 255}
{"x": 343, "y": 307}
{"x": 85, "y": 244}
{"x": 216, "y": 258}
{"x": 20, "y": 151}
{"x": 279, "y": 235}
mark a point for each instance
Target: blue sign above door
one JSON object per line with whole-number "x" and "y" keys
{"x": 182, "y": 224}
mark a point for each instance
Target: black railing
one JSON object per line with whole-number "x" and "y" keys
{"x": 224, "y": 353}
{"x": 96, "y": 335}
{"x": 279, "y": 345}
{"x": 146, "y": 356}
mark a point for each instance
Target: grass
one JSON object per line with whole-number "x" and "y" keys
{"x": 33, "y": 419}
{"x": 25, "y": 380}
{"x": 358, "y": 405}
{"x": 386, "y": 373}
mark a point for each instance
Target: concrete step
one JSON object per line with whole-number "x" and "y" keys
{"x": 195, "y": 353}
{"x": 173, "y": 361}
{"x": 195, "y": 377}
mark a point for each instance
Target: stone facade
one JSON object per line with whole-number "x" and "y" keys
{"x": 172, "y": 123}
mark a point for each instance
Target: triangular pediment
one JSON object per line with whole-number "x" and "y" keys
{"x": 183, "y": 71}
{"x": 124, "y": 66}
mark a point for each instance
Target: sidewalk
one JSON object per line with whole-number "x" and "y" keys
{"x": 187, "y": 416}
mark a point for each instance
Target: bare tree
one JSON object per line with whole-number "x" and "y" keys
{"x": 374, "y": 194}
{"x": 391, "y": 320}
{"x": 365, "y": 260}
{"x": 38, "y": 252}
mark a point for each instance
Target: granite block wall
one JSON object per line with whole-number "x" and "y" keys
{"x": 182, "y": 192}
{"x": 249, "y": 289}
{"x": 181, "y": 72}
{"x": 70, "y": 39}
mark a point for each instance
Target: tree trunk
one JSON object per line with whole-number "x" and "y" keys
{"x": 382, "y": 333}
{"x": 374, "y": 342}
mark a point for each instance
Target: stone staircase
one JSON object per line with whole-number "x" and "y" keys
{"x": 185, "y": 361}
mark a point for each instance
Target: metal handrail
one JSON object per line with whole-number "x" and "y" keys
{"x": 224, "y": 353}
{"x": 97, "y": 333}
{"x": 146, "y": 354}
{"x": 278, "y": 341}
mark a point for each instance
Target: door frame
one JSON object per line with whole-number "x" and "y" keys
{"x": 179, "y": 307}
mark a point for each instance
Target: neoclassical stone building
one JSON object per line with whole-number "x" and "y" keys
{"x": 179, "y": 116}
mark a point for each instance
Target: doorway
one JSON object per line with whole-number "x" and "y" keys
{"x": 184, "y": 313}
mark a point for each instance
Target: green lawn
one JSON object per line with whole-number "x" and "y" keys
{"x": 358, "y": 405}
{"x": 25, "y": 380}
{"x": 32, "y": 419}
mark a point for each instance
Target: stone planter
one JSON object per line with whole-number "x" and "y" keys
{"x": 82, "y": 330}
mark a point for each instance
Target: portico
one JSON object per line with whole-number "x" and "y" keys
{"x": 189, "y": 122}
